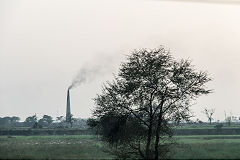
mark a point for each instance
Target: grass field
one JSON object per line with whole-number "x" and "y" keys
{"x": 206, "y": 126}
{"x": 87, "y": 147}
{"x": 207, "y": 147}
{"x": 52, "y": 147}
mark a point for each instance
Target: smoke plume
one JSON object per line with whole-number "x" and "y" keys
{"x": 99, "y": 66}
{"x": 85, "y": 75}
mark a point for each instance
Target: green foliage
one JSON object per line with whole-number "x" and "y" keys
{"x": 228, "y": 120}
{"x": 15, "y": 119}
{"x": 92, "y": 122}
{"x": 9, "y": 121}
{"x": 154, "y": 89}
{"x": 46, "y": 120}
{"x": 218, "y": 126}
{"x": 31, "y": 120}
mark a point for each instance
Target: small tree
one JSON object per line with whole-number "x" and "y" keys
{"x": 60, "y": 119}
{"x": 94, "y": 125}
{"x": 209, "y": 113}
{"x": 228, "y": 120}
{"x": 15, "y": 119}
{"x": 5, "y": 121}
{"x": 71, "y": 120}
{"x": 46, "y": 120}
{"x": 151, "y": 89}
{"x": 30, "y": 121}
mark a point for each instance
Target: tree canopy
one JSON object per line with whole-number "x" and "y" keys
{"x": 31, "y": 119}
{"x": 153, "y": 90}
{"x": 46, "y": 120}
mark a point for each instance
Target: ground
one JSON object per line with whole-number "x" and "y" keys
{"x": 52, "y": 147}
{"x": 207, "y": 147}
{"x": 88, "y": 147}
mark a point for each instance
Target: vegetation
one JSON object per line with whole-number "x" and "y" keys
{"x": 88, "y": 147}
{"x": 137, "y": 115}
{"x": 207, "y": 147}
{"x": 209, "y": 113}
{"x": 45, "y": 122}
{"x": 51, "y": 147}
{"x": 9, "y": 121}
{"x": 151, "y": 91}
{"x": 30, "y": 121}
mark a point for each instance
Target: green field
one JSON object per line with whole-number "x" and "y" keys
{"x": 88, "y": 147}
{"x": 52, "y": 147}
{"x": 206, "y": 126}
{"x": 207, "y": 147}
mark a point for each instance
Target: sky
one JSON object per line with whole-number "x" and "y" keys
{"x": 45, "y": 44}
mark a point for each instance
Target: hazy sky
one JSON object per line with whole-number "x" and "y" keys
{"x": 44, "y": 44}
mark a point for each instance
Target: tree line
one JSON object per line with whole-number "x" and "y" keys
{"x": 45, "y": 121}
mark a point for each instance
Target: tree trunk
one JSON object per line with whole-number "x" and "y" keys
{"x": 149, "y": 137}
{"x": 157, "y": 136}
{"x": 158, "y": 131}
{"x": 149, "y": 134}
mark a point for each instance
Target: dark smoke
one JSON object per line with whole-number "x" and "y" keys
{"x": 98, "y": 67}
{"x": 85, "y": 75}
{"x": 88, "y": 74}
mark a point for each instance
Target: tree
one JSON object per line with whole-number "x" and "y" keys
{"x": 209, "y": 113}
{"x": 46, "y": 120}
{"x": 153, "y": 89}
{"x": 228, "y": 120}
{"x": 60, "y": 119}
{"x": 5, "y": 121}
{"x": 80, "y": 123}
{"x": 30, "y": 121}
{"x": 71, "y": 120}
{"x": 94, "y": 124}
{"x": 15, "y": 119}
{"x": 9, "y": 121}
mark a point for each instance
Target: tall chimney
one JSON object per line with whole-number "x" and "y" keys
{"x": 68, "y": 111}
